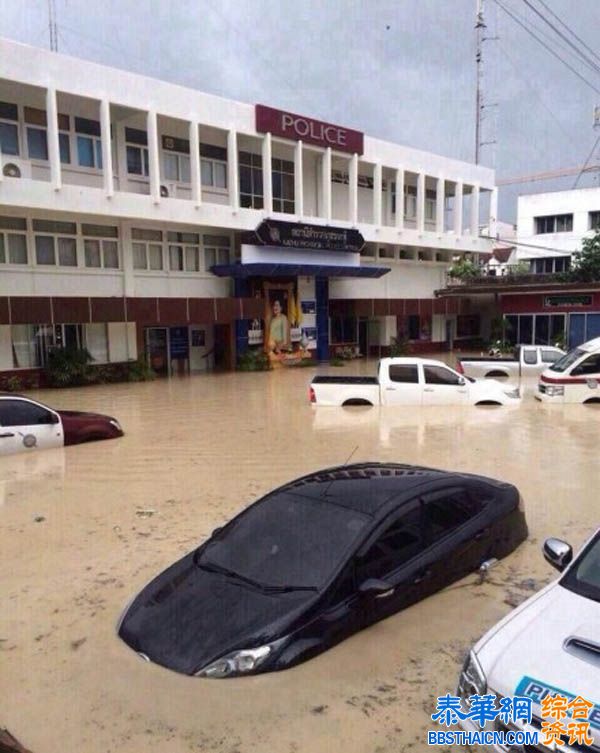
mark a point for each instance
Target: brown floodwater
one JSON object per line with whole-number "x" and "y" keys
{"x": 84, "y": 528}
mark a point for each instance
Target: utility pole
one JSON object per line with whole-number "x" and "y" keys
{"x": 479, "y": 31}
{"x": 52, "y": 28}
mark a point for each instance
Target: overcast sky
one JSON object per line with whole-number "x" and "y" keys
{"x": 401, "y": 70}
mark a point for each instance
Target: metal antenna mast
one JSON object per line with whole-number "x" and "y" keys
{"x": 52, "y": 28}
{"x": 479, "y": 31}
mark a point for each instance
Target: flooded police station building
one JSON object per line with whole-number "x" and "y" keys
{"x": 143, "y": 219}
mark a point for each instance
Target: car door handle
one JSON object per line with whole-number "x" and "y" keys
{"x": 428, "y": 389}
{"x": 423, "y": 575}
{"x": 385, "y": 594}
{"x": 6, "y": 435}
{"x": 390, "y": 389}
{"x": 481, "y": 534}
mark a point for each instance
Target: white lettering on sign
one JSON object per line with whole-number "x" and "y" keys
{"x": 303, "y": 127}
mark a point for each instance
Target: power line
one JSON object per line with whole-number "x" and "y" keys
{"x": 549, "y": 49}
{"x": 514, "y": 242}
{"x": 591, "y": 63}
{"x": 585, "y": 164}
{"x": 579, "y": 39}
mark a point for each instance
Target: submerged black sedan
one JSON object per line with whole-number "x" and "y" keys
{"x": 317, "y": 560}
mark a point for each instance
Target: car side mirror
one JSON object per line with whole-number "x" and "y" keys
{"x": 375, "y": 588}
{"x": 462, "y": 381}
{"x": 55, "y": 418}
{"x": 558, "y": 553}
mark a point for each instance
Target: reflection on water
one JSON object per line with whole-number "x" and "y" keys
{"x": 195, "y": 451}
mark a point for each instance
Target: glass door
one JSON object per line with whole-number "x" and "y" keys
{"x": 157, "y": 350}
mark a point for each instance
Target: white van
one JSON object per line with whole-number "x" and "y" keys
{"x": 574, "y": 378}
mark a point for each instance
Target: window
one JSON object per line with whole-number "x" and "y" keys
{"x": 550, "y": 264}
{"x": 176, "y": 159}
{"x": 37, "y": 145}
{"x": 399, "y": 543}
{"x": 594, "y": 220}
{"x": 9, "y": 129}
{"x": 410, "y": 202}
{"x": 541, "y": 329}
{"x": 37, "y": 141}
{"x": 55, "y": 243}
{"x": 216, "y": 250}
{"x": 440, "y": 375}
{"x": 13, "y": 240}
{"x": 24, "y": 351}
{"x": 414, "y": 327}
{"x": 101, "y": 249}
{"x": 14, "y": 412}
{"x": 554, "y": 223}
{"x": 89, "y": 145}
{"x": 31, "y": 343}
{"x": 147, "y": 249}
{"x": 96, "y": 341}
{"x": 213, "y": 165}
{"x": 591, "y": 365}
{"x": 447, "y": 511}
{"x": 184, "y": 251}
{"x": 251, "y": 180}
{"x": 529, "y": 356}
{"x": 404, "y": 374}
{"x": 283, "y": 186}
{"x": 136, "y": 146}
{"x": 550, "y": 356}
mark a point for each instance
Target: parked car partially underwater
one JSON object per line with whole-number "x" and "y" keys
{"x": 315, "y": 561}
{"x": 27, "y": 425}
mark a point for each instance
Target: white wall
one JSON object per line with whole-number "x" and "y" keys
{"x": 6, "y": 359}
{"x": 406, "y": 279}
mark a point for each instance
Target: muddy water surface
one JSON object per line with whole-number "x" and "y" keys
{"x": 83, "y": 529}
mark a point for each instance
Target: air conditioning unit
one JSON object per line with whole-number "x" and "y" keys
{"x": 168, "y": 190}
{"x": 164, "y": 192}
{"x": 16, "y": 168}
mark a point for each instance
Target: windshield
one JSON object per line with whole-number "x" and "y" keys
{"x": 286, "y": 540}
{"x": 584, "y": 575}
{"x": 567, "y": 360}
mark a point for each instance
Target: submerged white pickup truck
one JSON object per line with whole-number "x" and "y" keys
{"x": 527, "y": 360}
{"x": 410, "y": 381}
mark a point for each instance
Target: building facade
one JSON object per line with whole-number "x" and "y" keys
{"x": 141, "y": 219}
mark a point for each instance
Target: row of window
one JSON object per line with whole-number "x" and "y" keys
{"x": 534, "y": 329}
{"x": 550, "y": 264}
{"x": 56, "y": 243}
{"x": 31, "y": 343}
{"x": 563, "y": 223}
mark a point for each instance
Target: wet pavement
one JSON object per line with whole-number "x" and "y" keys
{"x": 84, "y": 528}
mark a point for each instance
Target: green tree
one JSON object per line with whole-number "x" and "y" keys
{"x": 586, "y": 263}
{"x": 464, "y": 269}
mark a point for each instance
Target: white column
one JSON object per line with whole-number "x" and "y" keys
{"x": 153, "y": 158}
{"x": 326, "y": 183}
{"x": 475, "y": 211}
{"x": 377, "y": 191}
{"x": 493, "y": 223}
{"x": 53, "y": 143}
{"x": 299, "y": 180}
{"x": 195, "y": 171}
{"x": 420, "y": 202}
{"x": 267, "y": 170}
{"x": 232, "y": 169}
{"x": 353, "y": 190}
{"x": 127, "y": 254}
{"x": 440, "y": 200}
{"x": 458, "y": 208}
{"x": 399, "y": 198}
{"x": 107, "y": 166}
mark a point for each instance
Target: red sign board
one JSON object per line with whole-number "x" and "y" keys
{"x": 287, "y": 125}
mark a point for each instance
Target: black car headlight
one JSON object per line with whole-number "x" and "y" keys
{"x": 235, "y": 663}
{"x": 472, "y": 678}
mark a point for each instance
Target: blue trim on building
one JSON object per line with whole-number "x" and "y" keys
{"x": 242, "y": 271}
{"x": 322, "y": 300}
{"x": 241, "y": 289}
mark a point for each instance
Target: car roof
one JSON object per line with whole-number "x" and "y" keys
{"x": 590, "y": 345}
{"x": 370, "y": 488}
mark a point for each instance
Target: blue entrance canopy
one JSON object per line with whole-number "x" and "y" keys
{"x": 271, "y": 269}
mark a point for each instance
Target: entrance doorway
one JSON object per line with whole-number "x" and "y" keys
{"x": 157, "y": 349}
{"x": 223, "y": 347}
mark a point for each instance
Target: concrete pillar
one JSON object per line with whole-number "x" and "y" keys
{"x": 267, "y": 168}
{"x": 353, "y": 190}
{"x": 377, "y": 192}
{"x": 232, "y": 170}
{"x": 107, "y": 166}
{"x": 298, "y": 180}
{"x": 53, "y": 143}
{"x": 195, "y": 171}
{"x": 420, "y": 202}
{"x": 493, "y": 223}
{"x": 127, "y": 257}
{"x": 153, "y": 156}
{"x": 326, "y": 183}
{"x": 475, "y": 211}
{"x": 440, "y": 196}
{"x": 458, "y": 208}
{"x": 400, "y": 198}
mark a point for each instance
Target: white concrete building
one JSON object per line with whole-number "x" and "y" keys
{"x": 556, "y": 222}
{"x": 129, "y": 211}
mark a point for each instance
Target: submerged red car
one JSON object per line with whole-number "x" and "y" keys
{"x": 27, "y": 425}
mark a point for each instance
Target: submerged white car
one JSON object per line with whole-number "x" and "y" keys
{"x": 547, "y": 646}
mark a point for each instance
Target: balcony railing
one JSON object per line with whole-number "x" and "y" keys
{"x": 511, "y": 275}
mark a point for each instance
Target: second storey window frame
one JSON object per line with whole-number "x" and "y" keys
{"x": 553, "y": 223}
{"x": 58, "y": 238}
{"x": 13, "y": 241}
{"x": 9, "y": 124}
{"x": 147, "y": 246}
{"x": 100, "y": 242}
